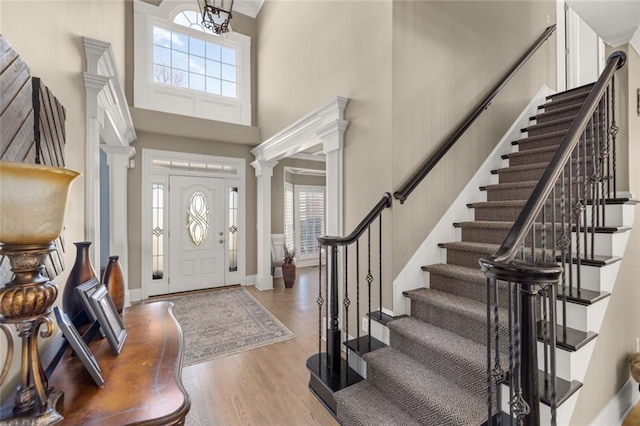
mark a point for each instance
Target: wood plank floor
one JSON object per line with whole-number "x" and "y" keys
{"x": 267, "y": 385}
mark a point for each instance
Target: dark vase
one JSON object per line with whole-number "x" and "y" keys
{"x": 289, "y": 273}
{"x": 113, "y": 278}
{"x": 81, "y": 272}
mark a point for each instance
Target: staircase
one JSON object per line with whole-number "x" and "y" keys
{"x": 434, "y": 370}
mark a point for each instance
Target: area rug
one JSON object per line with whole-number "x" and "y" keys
{"x": 224, "y": 322}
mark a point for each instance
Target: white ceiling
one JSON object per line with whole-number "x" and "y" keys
{"x": 616, "y": 22}
{"x": 248, "y": 7}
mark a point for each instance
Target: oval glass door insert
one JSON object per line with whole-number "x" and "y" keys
{"x": 197, "y": 218}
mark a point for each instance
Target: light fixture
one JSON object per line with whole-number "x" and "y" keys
{"x": 33, "y": 202}
{"x": 216, "y": 14}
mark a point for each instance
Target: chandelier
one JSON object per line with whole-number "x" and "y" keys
{"x": 216, "y": 14}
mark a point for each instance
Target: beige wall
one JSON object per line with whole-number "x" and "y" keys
{"x": 48, "y": 35}
{"x": 303, "y": 63}
{"x": 150, "y": 140}
{"x": 446, "y": 57}
{"x": 608, "y": 370}
{"x": 277, "y": 188}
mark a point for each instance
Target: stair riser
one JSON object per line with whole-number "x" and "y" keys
{"x": 469, "y": 327}
{"x": 570, "y": 365}
{"x": 596, "y": 278}
{"x": 509, "y": 175}
{"x": 525, "y": 144}
{"x": 564, "y": 101}
{"x": 580, "y": 93}
{"x": 471, "y": 377}
{"x": 547, "y": 128}
{"x": 532, "y": 157}
{"x": 547, "y": 116}
{"x": 524, "y": 192}
{"x": 464, "y": 288}
{"x": 615, "y": 215}
{"x": 464, "y": 258}
{"x": 583, "y": 317}
{"x": 605, "y": 244}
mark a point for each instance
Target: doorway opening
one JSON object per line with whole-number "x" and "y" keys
{"x": 193, "y": 222}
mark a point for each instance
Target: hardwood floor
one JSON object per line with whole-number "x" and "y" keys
{"x": 267, "y": 385}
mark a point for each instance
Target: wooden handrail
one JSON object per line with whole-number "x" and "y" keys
{"x": 402, "y": 194}
{"x": 384, "y": 203}
{"x": 543, "y": 188}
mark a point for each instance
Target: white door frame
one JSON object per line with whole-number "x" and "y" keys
{"x": 324, "y": 126}
{"x": 151, "y": 174}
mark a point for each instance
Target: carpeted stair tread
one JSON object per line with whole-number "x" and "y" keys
{"x": 461, "y": 315}
{"x": 363, "y": 405}
{"x": 549, "y": 126}
{"x": 572, "y": 108}
{"x": 544, "y": 149}
{"x": 460, "y": 360}
{"x": 580, "y": 90}
{"x": 473, "y": 247}
{"x": 428, "y": 397}
{"x": 462, "y": 281}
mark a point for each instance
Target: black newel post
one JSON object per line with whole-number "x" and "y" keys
{"x": 529, "y": 366}
{"x": 333, "y": 331}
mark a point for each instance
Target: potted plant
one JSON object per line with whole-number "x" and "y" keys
{"x": 289, "y": 266}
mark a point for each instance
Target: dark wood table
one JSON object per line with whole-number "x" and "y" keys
{"x": 143, "y": 384}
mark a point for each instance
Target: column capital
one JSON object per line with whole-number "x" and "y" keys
{"x": 332, "y": 135}
{"x": 118, "y": 155}
{"x": 264, "y": 168}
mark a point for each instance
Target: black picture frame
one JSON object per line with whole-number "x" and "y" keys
{"x": 108, "y": 318}
{"x": 79, "y": 347}
{"x": 85, "y": 290}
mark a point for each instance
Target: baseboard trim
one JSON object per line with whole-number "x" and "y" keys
{"x": 134, "y": 295}
{"x": 619, "y": 406}
{"x": 250, "y": 280}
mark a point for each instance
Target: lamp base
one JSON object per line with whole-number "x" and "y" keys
{"x": 48, "y": 417}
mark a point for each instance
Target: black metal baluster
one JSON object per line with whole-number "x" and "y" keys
{"x": 334, "y": 333}
{"x": 358, "y": 291}
{"x": 614, "y": 131}
{"x": 563, "y": 254}
{"x": 497, "y": 372}
{"x": 346, "y": 301}
{"x": 511, "y": 322}
{"x": 369, "y": 281}
{"x": 585, "y": 192}
{"x": 380, "y": 268}
{"x": 606, "y": 129}
{"x": 604, "y": 158}
{"x": 552, "y": 341}
{"x": 320, "y": 302}
{"x": 533, "y": 242}
{"x": 489, "y": 373}
{"x": 553, "y": 224}
{"x": 570, "y": 228}
{"x": 545, "y": 341}
{"x": 593, "y": 182}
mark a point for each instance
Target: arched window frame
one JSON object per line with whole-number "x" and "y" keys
{"x": 149, "y": 94}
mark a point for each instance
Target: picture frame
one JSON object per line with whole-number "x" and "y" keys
{"x": 79, "y": 347}
{"x": 85, "y": 290}
{"x": 108, "y": 318}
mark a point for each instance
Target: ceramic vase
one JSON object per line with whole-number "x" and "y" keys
{"x": 113, "y": 279}
{"x": 289, "y": 274}
{"x": 81, "y": 272}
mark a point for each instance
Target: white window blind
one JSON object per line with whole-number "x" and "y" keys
{"x": 310, "y": 219}
{"x": 288, "y": 216}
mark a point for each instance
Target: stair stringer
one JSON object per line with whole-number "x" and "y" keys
{"x": 428, "y": 252}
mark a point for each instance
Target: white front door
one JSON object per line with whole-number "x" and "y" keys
{"x": 196, "y": 233}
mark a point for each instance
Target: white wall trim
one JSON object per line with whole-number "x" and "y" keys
{"x": 107, "y": 119}
{"x": 250, "y": 280}
{"x": 326, "y": 126}
{"x": 429, "y": 252}
{"x": 619, "y": 406}
{"x": 309, "y": 157}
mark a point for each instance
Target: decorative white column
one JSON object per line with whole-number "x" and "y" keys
{"x": 118, "y": 161}
{"x": 108, "y": 125}
{"x": 264, "y": 171}
{"x": 332, "y": 137}
{"x": 94, "y": 84}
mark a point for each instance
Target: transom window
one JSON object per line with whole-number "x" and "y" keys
{"x": 192, "y": 19}
{"x": 192, "y": 63}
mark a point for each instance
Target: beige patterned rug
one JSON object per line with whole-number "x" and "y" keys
{"x": 224, "y": 322}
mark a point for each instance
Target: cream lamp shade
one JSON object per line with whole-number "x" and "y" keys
{"x": 33, "y": 202}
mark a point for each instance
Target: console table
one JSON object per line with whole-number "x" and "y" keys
{"x": 143, "y": 383}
